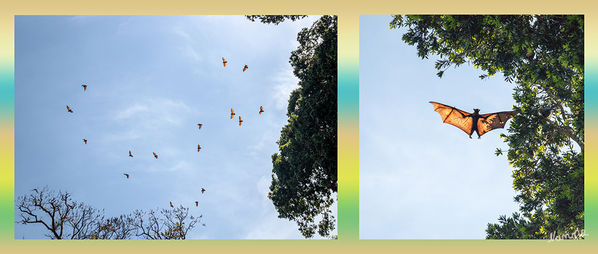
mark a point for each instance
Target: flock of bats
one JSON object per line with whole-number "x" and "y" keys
{"x": 232, "y": 114}
{"x": 468, "y": 122}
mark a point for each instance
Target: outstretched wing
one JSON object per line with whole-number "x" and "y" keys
{"x": 493, "y": 121}
{"x": 454, "y": 116}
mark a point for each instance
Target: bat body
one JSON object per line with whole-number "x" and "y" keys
{"x": 196, "y": 204}
{"x": 203, "y": 190}
{"x": 472, "y": 122}
{"x": 127, "y": 175}
{"x": 245, "y": 68}
{"x": 224, "y": 62}
{"x": 198, "y": 148}
{"x": 69, "y": 109}
{"x": 199, "y": 124}
{"x": 85, "y": 141}
{"x": 232, "y": 113}
{"x": 84, "y": 87}
{"x": 171, "y": 204}
{"x": 240, "y": 121}
{"x": 155, "y": 155}
{"x": 261, "y": 109}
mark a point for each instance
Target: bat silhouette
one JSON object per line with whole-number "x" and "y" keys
{"x": 155, "y": 155}
{"x": 232, "y": 113}
{"x": 198, "y": 148}
{"x": 224, "y": 62}
{"x": 130, "y": 154}
{"x": 245, "y": 68}
{"x": 127, "y": 175}
{"x": 68, "y": 109}
{"x": 470, "y": 123}
{"x": 203, "y": 190}
{"x": 85, "y": 141}
{"x": 171, "y": 204}
{"x": 261, "y": 110}
{"x": 196, "y": 204}
{"x": 240, "y": 121}
{"x": 84, "y": 87}
{"x": 199, "y": 124}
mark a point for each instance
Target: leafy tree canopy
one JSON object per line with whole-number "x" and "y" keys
{"x": 304, "y": 174}
{"x": 274, "y": 19}
{"x": 543, "y": 55}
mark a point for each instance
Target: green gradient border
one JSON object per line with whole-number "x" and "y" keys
{"x": 348, "y": 107}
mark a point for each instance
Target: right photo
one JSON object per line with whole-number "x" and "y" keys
{"x": 471, "y": 126}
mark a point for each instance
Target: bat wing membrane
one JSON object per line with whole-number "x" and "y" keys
{"x": 493, "y": 121}
{"x": 454, "y": 116}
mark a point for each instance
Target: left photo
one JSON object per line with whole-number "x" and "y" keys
{"x": 175, "y": 127}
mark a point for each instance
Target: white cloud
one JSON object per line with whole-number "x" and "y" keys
{"x": 131, "y": 111}
{"x": 285, "y": 82}
{"x": 274, "y": 228}
{"x": 260, "y": 146}
{"x": 180, "y": 31}
{"x": 187, "y": 47}
{"x": 154, "y": 111}
{"x": 270, "y": 227}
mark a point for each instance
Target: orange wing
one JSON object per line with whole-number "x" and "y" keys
{"x": 240, "y": 121}
{"x": 493, "y": 121}
{"x": 224, "y": 61}
{"x": 454, "y": 116}
{"x": 68, "y": 109}
{"x": 171, "y": 204}
{"x": 232, "y": 113}
{"x": 155, "y": 155}
{"x": 199, "y": 124}
{"x": 245, "y": 68}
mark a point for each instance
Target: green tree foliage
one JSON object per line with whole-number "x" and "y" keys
{"x": 274, "y": 19}
{"x": 304, "y": 174}
{"x": 544, "y": 56}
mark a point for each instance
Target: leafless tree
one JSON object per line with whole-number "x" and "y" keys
{"x": 64, "y": 218}
{"x": 58, "y": 213}
{"x": 174, "y": 223}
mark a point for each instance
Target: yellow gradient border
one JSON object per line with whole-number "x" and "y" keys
{"x": 348, "y": 106}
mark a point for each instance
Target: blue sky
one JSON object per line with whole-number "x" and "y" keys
{"x": 150, "y": 80}
{"x": 421, "y": 178}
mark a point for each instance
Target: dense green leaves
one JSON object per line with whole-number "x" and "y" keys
{"x": 274, "y": 19}
{"x": 544, "y": 56}
{"x": 304, "y": 174}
